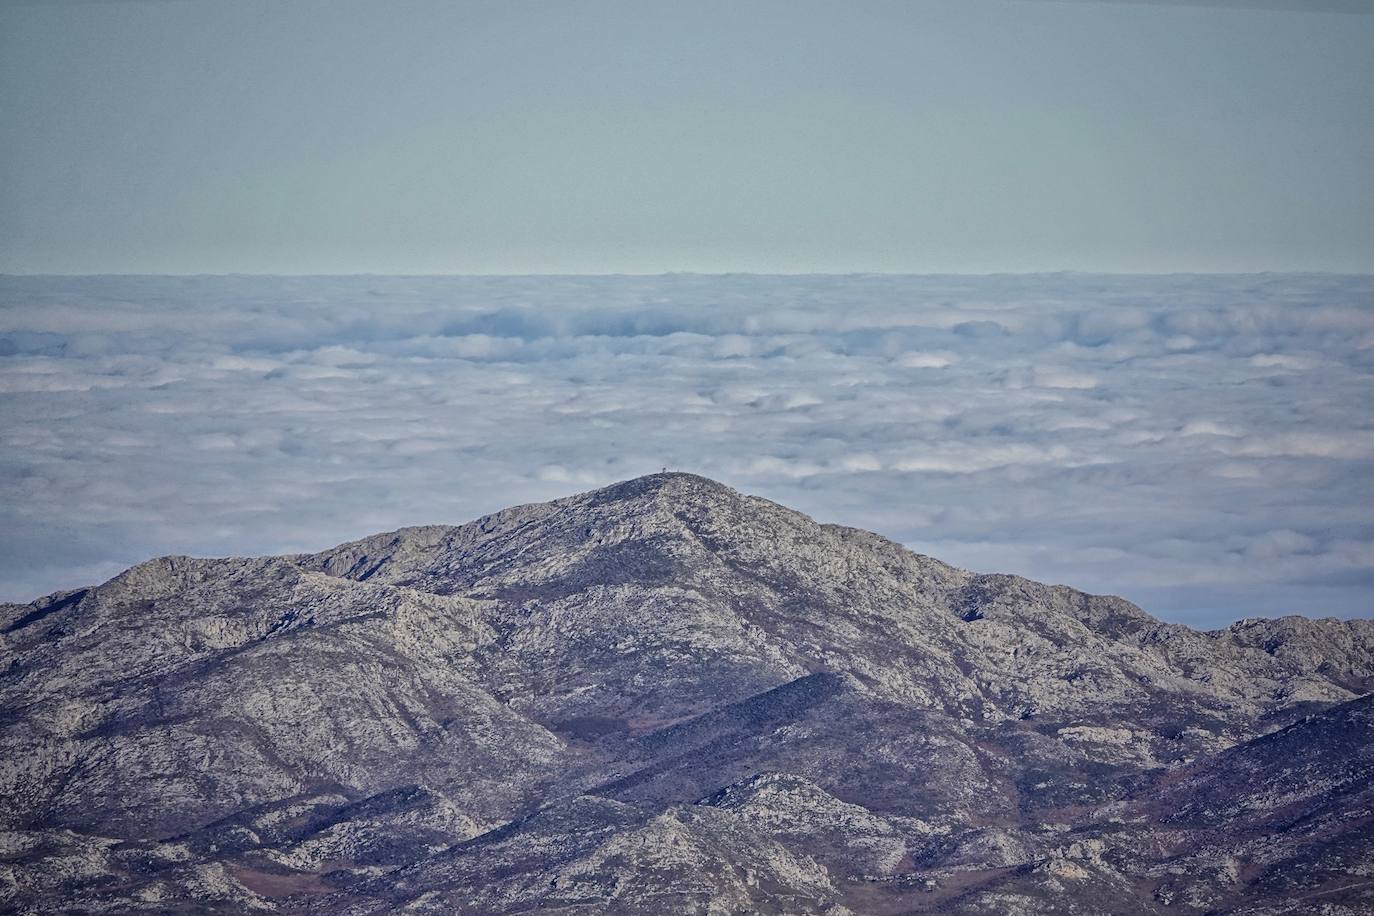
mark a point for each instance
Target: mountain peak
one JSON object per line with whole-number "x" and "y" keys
{"x": 639, "y": 647}
{"x": 673, "y": 484}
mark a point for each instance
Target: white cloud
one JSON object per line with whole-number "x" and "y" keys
{"x": 1119, "y": 434}
{"x": 859, "y": 463}
{"x": 1345, "y": 445}
{"x": 968, "y": 459}
{"x": 940, "y": 359}
{"x": 732, "y": 345}
{"x": 771, "y": 465}
{"x": 1272, "y": 545}
{"x": 244, "y": 364}
{"x": 1047, "y": 377}
{"x": 1279, "y": 361}
{"x": 800, "y": 399}
{"x": 1209, "y": 428}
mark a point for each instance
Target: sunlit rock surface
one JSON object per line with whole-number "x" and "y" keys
{"x": 666, "y": 696}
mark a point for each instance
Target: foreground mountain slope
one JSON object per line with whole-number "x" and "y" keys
{"x": 715, "y": 576}
{"x": 618, "y": 696}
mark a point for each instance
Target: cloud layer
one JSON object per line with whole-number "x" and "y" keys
{"x": 1203, "y": 445}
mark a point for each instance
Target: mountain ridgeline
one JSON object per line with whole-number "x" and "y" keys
{"x": 668, "y": 697}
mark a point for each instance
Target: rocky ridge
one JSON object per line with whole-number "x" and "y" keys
{"x": 668, "y": 696}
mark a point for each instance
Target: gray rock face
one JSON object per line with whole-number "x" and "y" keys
{"x": 665, "y": 696}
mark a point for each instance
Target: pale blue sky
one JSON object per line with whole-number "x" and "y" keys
{"x": 441, "y": 136}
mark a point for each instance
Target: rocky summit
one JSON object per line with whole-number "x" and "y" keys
{"x": 668, "y": 697}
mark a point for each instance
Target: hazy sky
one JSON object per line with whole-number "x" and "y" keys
{"x": 441, "y": 136}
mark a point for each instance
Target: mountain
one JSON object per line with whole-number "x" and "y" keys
{"x": 666, "y": 696}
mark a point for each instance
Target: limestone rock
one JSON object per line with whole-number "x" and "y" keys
{"x": 667, "y": 695}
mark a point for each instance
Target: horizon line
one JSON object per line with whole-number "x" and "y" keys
{"x": 693, "y": 273}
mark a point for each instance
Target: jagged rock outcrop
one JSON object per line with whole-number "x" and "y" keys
{"x": 662, "y": 691}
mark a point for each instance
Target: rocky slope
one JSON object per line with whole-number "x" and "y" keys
{"x": 665, "y": 696}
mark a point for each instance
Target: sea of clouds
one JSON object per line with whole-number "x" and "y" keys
{"x": 1203, "y": 445}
